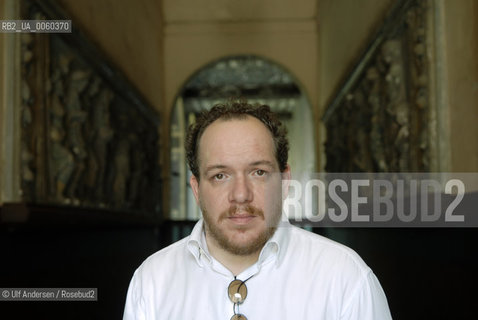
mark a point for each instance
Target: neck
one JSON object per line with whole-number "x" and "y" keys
{"x": 234, "y": 263}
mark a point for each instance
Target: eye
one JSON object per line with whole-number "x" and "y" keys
{"x": 219, "y": 177}
{"x": 260, "y": 173}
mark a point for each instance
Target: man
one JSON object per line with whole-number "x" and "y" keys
{"x": 238, "y": 262}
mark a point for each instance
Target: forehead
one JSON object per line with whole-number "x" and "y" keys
{"x": 233, "y": 140}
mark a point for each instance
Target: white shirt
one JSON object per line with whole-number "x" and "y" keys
{"x": 299, "y": 275}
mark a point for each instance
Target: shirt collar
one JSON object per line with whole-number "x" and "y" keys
{"x": 275, "y": 247}
{"x": 197, "y": 244}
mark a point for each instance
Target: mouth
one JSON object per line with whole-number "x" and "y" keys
{"x": 241, "y": 219}
{"x": 242, "y": 216}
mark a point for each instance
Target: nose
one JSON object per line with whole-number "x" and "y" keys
{"x": 241, "y": 191}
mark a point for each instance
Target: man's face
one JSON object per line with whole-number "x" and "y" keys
{"x": 240, "y": 188}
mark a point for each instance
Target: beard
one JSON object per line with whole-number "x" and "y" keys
{"x": 253, "y": 245}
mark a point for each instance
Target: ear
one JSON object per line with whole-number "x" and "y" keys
{"x": 195, "y": 186}
{"x": 285, "y": 176}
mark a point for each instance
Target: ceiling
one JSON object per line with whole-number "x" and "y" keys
{"x": 180, "y": 11}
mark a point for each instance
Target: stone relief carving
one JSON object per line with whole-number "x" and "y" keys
{"x": 27, "y": 172}
{"x": 85, "y": 141}
{"x": 381, "y": 124}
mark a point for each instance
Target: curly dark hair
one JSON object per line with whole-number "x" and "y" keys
{"x": 236, "y": 109}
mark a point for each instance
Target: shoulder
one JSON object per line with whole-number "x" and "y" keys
{"x": 163, "y": 261}
{"x": 338, "y": 269}
{"x": 152, "y": 279}
{"x": 175, "y": 259}
{"x": 342, "y": 273}
{"x": 326, "y": 254}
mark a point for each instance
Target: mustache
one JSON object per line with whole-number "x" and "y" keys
{"x": 235, "y": 209}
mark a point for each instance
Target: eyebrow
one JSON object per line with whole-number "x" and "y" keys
{"x": 253, "y": 164}
{"x": 214, "y": 167}
{"x": 262, "y": 162}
